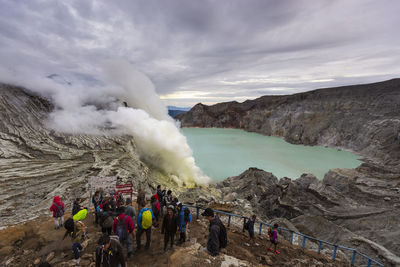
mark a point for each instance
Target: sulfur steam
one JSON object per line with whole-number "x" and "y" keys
{"x": 124, "y": 102}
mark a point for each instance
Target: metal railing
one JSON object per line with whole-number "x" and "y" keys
{"x": 336, "y": 247}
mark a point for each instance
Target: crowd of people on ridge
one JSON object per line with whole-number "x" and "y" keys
{"x": 118, "y": 220}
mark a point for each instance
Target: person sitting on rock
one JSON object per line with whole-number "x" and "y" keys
{"x": 58, "y": 210}
{"x": 273, "y": 237}
{"x": 217, "y": 237}
{"x": 109, "y": 252}
{"x": 169, "y": 227}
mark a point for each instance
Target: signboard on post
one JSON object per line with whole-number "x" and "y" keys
{"x": 106, "y": 183}
{"x": 125, "y": 188}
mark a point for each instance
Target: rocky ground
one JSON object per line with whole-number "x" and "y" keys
{"x": 36, "y": 241}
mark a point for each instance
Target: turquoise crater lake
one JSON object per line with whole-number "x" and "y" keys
{"x": 221, "y": 153}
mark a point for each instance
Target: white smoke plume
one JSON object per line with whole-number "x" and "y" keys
{"x": 93, "y": 109}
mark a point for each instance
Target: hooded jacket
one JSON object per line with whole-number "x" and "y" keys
{"x": 53, "y": 208}
{"x": 170, "y": 224}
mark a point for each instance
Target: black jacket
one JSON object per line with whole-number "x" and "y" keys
{"x": 111, "y": 257}
{"x": 169, "y": 225}
{"x": 213, "y": 244}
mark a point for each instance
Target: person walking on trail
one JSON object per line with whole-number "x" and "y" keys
{"x": 97, "y": 199}
{"x": 76, "y": 206}
{"x": 273, "y": 238}
{"x": 109, "y": 253}
{"x": 217, "y": 238}
{"x": 169, "y": 227}
{"x": 145, "y": 221}
{"x": 77, "y": 231}
{"x": 250, "y": 228}
{"x": 184, "y": 217}
{"x": 130, "y": 211}
{"x": 160, "y": 196}
{"x": 123, "y": 227}
{"x": 155, "y": 207}
{"x": 141, "y": 199}
{"x": 58, "y": 210}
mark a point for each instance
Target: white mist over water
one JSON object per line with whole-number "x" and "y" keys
{"x": 93, "y": 109}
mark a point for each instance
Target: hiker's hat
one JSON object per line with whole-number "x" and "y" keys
{"x": 208, "y": 213}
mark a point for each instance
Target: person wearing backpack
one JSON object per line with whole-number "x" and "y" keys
{"x": 169, "y": 227}
{"x": 109, "y": 252}
{"x": 217, "y": 238}
{"x": 58, "y": 209}
{"x": 184, "y": 217}
{"x": 77, "y": 231}
{"x": 273, "y": 238}
{"x": 145, "y": 221}
{"x": 130, "y": 211}
{"x": 123, "y": 227}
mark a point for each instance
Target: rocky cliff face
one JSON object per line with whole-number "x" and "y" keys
{"x": 357, "y": 208}
{"x": 361, "y": 118}
{"x": 37, "y": 163}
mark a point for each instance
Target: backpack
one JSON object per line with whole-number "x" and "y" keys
{"x": 59, "y": 210}
{"x": 247, "y": 225}
{"x": 223, "y": 237}
{"x": 69, "y": 225}
{"x": 270, "y": 232}
{"x": 107, "y": 221}
{"x": 186, "y": 213}
{"x": 121, "y": 230}
{"x": 147, "y": 219}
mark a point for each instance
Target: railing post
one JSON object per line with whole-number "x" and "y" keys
{"x": 259, "y": 232}
{"x": 291, "y": 237}
{"x": 229, "y": 220}
{"x": 353, "y": 258}
{"x": 334, "y": 253}
{"x": 319, "y": 246}
{"x": 244, "y": 222}
{"x": 197, "y": 212}
{"x": 369, "y": 263}
{"x": 304, "y": 242}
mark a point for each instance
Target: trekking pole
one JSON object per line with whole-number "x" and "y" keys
{"x": 90, "y": 197}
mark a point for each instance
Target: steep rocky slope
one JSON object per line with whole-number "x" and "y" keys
{"x": 37, "y": 163}
{"x": 361, "y": 118}
{"x": 357, "y": 208}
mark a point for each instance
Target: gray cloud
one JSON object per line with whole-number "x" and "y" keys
{"x": 218, "y": 50}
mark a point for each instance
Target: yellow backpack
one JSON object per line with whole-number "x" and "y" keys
{"x": 147, "y": 219}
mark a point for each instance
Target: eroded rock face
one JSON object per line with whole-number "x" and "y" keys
{"x": 346, "y": 205}
{"x": 361, "y": 118}
{"x": 37, "y": 163}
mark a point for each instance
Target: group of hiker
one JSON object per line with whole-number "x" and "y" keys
{"x": 118, "y": 220}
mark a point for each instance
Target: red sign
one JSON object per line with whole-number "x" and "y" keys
{"x": 129, "y": 189}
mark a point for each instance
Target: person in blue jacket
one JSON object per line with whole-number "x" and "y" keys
{"x": 184, "y": 217}
{"x": 141, "y": 228}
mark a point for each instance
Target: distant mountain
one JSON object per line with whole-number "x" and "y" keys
{"x": 174, "y": 111}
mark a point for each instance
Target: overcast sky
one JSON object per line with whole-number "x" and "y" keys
{"x": 206, "y": 51}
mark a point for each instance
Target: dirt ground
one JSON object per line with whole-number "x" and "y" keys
{"x": 23, "y": 245}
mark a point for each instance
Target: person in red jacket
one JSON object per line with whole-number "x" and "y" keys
{"x": 58, "y": 209}
{"x": 123, "y": 227}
